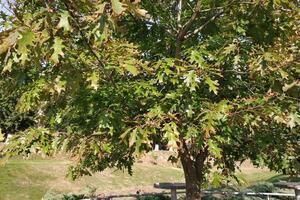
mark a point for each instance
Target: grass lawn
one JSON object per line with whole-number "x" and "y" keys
{"x": 31, "y": 179}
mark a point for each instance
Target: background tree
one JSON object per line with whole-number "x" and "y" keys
{"x": 11, "y": 121}
{"x": 218, "y": 81}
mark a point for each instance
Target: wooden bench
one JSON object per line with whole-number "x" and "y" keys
{"x": 290, "y": 185}
{"x": 171, "y": 186}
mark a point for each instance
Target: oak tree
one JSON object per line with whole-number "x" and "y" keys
{"x": 217, "y": 81}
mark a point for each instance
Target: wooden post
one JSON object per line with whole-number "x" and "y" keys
{"x": 173, "y": 194}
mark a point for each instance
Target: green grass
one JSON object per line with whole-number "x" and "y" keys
{"x": 31, "y": 179}
{"x": 252, "y": 178}
{"x": 21, "y": 180}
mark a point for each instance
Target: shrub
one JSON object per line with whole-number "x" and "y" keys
{"x": 154, "y": 197}
{"x": 87, "y": 192}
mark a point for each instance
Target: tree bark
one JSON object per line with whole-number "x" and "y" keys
{"x": 193, "y": 172}
{"x": 193, "y": 184}
{"x": 192, "y": 166}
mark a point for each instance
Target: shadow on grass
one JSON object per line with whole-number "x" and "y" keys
{"x": 282, "y": 177}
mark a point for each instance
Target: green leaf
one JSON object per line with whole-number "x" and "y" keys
{"x": 132, "y": 69}
{"x": 216, "y": 179}
{"x": 213, "y": 85}
{"x": 64, "y": 21}
{"x": 214, "y": 149}
{"x": 191, "y": 80}
{"x": 171, "y": 134}
{"x": 196, "y": 57}
{"x": 57, "y": 47}
{"x": 117, "y": 7}
{"x": 58, "y": 118}
{"x": 27, "y": 39}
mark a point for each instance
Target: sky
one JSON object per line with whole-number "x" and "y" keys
{"x": 4, "y": 6}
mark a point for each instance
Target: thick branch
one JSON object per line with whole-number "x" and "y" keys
{"x": 199, "y": 162}
{"x": 204, "y": 25}
{"x": 183, "y": 30}
{"x": 189, "y": 23}
{"x": 179, "y": 7}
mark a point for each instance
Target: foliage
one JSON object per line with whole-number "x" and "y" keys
{"x": 11, "y": 121}
{"x": 88, "y": 192}
{"x": 258, "y": 188}
{"x": 217, "y": 81}
{"x": 51, "y": 196}
{"x": 154, "y": 197}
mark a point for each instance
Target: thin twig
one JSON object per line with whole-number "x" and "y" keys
{"x": 87, "y": 43}
{"x": 218, "y": 14}
{"x": 204, "y": 25}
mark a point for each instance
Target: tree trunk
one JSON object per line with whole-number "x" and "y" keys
{"x": 193, "y": 173}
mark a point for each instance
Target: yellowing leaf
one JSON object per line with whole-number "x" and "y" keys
{"x": 208, "y": 128}
{"x": 125, "y": 133}
{"x": 229, "y": 49}
{"x": 117, "y": 7}
{"x": 213, "y": 85}
{"x": 142, "y": 12}
{"x": 57, "y": 47}
{"x": 8, "y": 66}
{"x": 44, "y": 36}
{"x": 171, "y": 134}
{"x": 133, "y": 137}
{"x": 60, "y": 85}
{"x": 101, "y": 8}
{"x": 94, "y": 78}
{"x": 286, "y": 87}
{"x": 237, "y": 59}
{"x": 7, "y": 39}
{"x": 64, "y": 21}
{"x": 283, "y": 74}
{"x": 132, "y": 69}
{"x": 269, "y": 56}
{"x": 294, "y": 120}
{"x": 191, "y": 80}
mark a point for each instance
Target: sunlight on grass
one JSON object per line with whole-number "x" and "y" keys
{"x": 31, "y": 179}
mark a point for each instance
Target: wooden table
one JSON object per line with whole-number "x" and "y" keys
{"x": 171, "y": 186}
{"x": 290, "y": 185}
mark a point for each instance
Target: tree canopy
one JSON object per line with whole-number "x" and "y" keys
{"x": 217, "y": 81}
